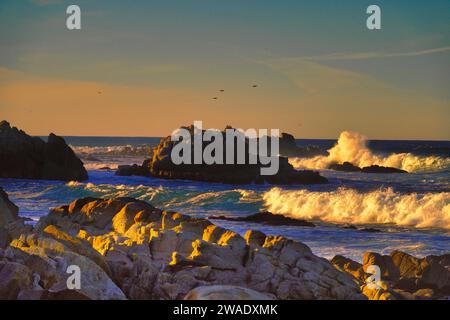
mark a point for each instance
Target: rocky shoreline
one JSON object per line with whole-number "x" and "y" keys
{"x": 128, "y": 249}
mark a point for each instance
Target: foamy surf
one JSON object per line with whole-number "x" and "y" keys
{"x": 382, "y": 206}
{"x": 124, "y": 150}
{"x": 352, "y": 147}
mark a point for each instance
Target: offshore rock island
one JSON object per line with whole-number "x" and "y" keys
{"x": 161, "y": 166}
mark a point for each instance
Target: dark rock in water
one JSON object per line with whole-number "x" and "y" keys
{"x": 132, "y": 170}
{"x": 268, "y": 218}
{"x": 352, "y": 227}
{"x": 380, "y": 169}
{"x": 289, "y": 148}
{"x": 25, "y": 157}
{"x": 349, "y": 167}
{"x": 370, "y": 230}
{"x": 346, "y": 167}
{"x": 161, "y": 166}
{"x": 105, "y": 169}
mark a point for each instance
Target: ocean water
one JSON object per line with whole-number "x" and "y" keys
{"x": 412, "y": 210}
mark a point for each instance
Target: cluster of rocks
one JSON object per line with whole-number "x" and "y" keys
{"x": 26, "y": 157}
{"x": 128, "y": 249}
{"x": 403, "y": 277}
{"x": 349, "y": 167}
{"x": 161, "y": 166}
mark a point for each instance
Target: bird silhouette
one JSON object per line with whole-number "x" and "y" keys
{"x": 255, "y": 85}
{"x": 221, "y": 90}
{"x": 215, "y": 98}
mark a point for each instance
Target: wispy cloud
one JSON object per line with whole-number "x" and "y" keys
{"x": 376, "y": 55}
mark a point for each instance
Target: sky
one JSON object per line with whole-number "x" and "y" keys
{"x": 144, "y": 68}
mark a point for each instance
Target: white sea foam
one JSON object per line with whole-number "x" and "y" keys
{"x": 352, "y": 147}
{"x": 124, "y": 150}
{"x": 383, "y": 206}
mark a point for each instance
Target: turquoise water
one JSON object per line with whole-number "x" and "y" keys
{"x": 412, "y": 210}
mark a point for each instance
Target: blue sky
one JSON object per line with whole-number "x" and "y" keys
{"x": 319, "y": 70}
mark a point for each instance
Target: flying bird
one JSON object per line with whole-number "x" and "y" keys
{"x": 221, "y": 90}
{"x": 215, "y": 98}
{"x": 255, "y": 85}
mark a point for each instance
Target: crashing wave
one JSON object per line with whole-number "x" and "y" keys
{"x": 344, "y": 205}
{"x": 352, "y": 147}
{"x": 124, "y": 150}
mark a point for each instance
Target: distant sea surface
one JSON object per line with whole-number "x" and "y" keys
{"x": 411, "y": 210}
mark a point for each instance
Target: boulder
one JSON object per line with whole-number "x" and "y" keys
{"x": 425, "y": 273}
{"x": 221, "y": 292}
{"x": 402, "y": 276}
{"x": 26, "y": 157}
{"x": 388, "y": 270}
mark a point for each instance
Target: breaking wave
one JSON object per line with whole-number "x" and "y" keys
{"x": 124, "y": 150}
{"x": 344, "y": 205}
{"x": 352, "y": 147}
{"x": 164, "y": 197}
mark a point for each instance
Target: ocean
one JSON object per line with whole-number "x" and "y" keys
{"x": 412, "y": 211}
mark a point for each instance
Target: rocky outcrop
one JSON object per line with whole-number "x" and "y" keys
{"x": 25, "y": 157}
{"x": 33, "y": 265}
{"x": 161, "y": 166}
{"x": 8, "y": 210}
{"x": 289, "y": 148}
{"x": 402, "y": 276}
{"x": 225, "y": 293}
{"x": 267, "y": 218}
{"x": 155, "y": 254}
{"x": 349, "y": 167}
{"x": 10, "y": 223}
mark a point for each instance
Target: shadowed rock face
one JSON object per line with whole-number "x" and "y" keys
{"x": 161, "y": 166}
{"x": 402, "y": 275}
{"x": 25, "y": 157}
